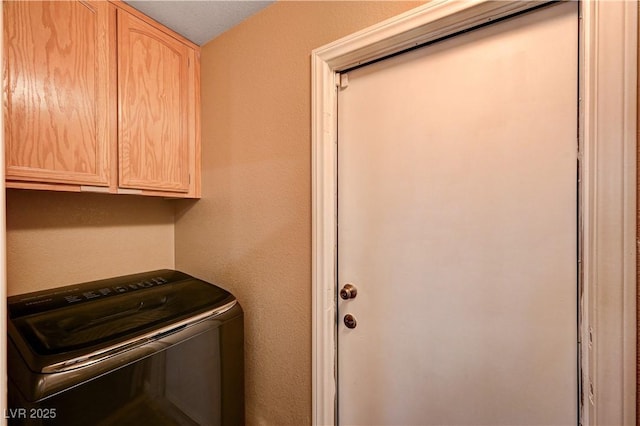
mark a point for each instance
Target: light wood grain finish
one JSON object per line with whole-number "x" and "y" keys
{"x": 97, "y": 94}
{"x": 153, "y": 97}
{"x": 130, "y": 10}
{"x": 57, "y": 91}
{"x": 195, "y": 130}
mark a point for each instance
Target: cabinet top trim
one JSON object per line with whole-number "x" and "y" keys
{"x": 133, "y": 11}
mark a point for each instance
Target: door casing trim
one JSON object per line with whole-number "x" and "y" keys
{"x": 607, "y": 155}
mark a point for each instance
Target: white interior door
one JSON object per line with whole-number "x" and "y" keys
{"x": 457, "y": 224}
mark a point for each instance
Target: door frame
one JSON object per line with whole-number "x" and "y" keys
{"x": 607, "y": 190}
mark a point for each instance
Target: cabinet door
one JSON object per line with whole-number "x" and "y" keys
{"x": 59, "y": 97}
{"x": 153, "y": 95}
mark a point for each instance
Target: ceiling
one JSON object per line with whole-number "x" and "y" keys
{"x": 199, "y": 20}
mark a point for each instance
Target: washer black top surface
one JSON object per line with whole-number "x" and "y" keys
{"x": 89, "y": 315}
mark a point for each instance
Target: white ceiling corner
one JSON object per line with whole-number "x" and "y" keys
{"x": 199, "y": 20}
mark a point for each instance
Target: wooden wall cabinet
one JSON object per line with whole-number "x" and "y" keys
{"x": 57, "y": 92}
{"x": 98, "y": 97}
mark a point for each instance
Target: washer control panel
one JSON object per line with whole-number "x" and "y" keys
{"x": 60, "y": 297}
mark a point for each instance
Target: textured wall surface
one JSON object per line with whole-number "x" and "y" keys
{"x": 56, "y": 238}
{"x": 251, "y": 232}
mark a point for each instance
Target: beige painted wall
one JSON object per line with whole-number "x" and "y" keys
{"x": 56, "y": 239}
{"x": 251, "y": 232}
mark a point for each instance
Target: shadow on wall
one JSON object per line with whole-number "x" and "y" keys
{"x": 57, "y": 238}
{"x": 32, "y": 209}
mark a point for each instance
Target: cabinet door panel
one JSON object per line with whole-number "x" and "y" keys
{"x": 57, "y": 89}
{"x": 153, "y": 105}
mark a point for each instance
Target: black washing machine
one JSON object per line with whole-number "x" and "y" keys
{"x": 156, "y": 348}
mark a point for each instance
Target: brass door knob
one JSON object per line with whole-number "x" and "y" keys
{"x": 348, "y": 291}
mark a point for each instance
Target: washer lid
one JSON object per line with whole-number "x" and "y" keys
{"x": 98, "y": 314}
